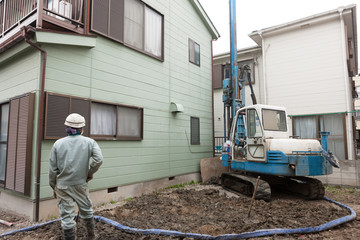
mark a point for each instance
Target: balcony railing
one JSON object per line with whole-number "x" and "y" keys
{"x": 63, "y": 13}
{"x": 70, "y": 10}
{"x": 13, "y": 11}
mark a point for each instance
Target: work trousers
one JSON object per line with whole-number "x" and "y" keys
{"x": 66, "y": 199}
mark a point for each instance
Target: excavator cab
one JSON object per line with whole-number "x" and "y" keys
{"x": 261, "y": 122}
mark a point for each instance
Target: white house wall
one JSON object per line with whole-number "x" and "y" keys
{"x": 308, "y": 78}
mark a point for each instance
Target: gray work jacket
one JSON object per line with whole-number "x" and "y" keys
{"x": 69, "y": 161}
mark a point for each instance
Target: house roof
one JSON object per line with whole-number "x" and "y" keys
{"x": 349, "y": 13}
{"x": 210, "y": 26}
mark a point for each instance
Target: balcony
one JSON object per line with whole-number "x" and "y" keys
{"x": 58, "y": 15}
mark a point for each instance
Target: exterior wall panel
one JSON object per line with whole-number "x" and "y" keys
{"x": 19, "y": 75}
{"x": 114, "y": 73}
{"x": 302, "y": 73}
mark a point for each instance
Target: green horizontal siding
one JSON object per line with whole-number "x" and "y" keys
{"x": 20, "y": 74}
{"x": 117, "y": 74}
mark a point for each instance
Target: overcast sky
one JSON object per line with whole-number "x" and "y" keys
{"x": 254, "y": 15}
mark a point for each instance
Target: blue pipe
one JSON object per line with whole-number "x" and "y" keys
{"x": 28, "y": 228}
{"x": 258, "y": 233}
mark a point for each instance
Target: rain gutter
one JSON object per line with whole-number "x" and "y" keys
{"x": 41, "y": 119}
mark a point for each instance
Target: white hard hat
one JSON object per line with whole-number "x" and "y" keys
{"x": 75, "y": 120}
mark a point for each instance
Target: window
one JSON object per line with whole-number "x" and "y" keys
{"x": 194, "y": 52}
{"x": 195, "y": 130}
{"x": 129, "y": 122}
{"x": 4, "y": 117}
{"x": 131, "y": 22}
{"x": 274, "y": 120}
{"x": 309, "y": 127}
{"x": 306, "y": 127}
{"x": 134, "y": 23}
{"x": 103, "y": 120}
{"x": 222, "y": 71}
{"x": 253, "y": 123}
{"x": 58, "y": 108}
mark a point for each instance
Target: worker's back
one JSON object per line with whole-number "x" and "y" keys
{"x": 69, "y": 158}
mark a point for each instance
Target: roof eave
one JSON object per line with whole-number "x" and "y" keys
{"x": 210, "y": 26}
{"x": 257, "y": 35}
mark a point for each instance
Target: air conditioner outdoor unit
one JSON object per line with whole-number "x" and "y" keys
{"x": 61, "y": 7}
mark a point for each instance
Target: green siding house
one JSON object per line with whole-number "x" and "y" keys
{"x": 139, "y": 71}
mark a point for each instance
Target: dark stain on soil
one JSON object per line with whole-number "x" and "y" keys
{"x": 210, "y": 212}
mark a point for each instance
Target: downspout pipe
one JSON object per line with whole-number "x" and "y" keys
{"x": 264, "y": 67}
{"x": 40, "y": 122}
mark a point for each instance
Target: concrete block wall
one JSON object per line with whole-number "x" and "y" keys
{"x": 347, "y": 175}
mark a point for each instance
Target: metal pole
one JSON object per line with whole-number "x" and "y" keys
{"x": 233, "y": 54}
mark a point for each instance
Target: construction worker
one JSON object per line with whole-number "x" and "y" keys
{"x": 69, "y": 171}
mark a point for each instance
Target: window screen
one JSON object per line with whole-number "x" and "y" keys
{"x": 194, "y": 52}
{"x": 195, "y": 130}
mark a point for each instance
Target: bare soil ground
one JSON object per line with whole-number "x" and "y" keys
{"x": 213, "y": 211}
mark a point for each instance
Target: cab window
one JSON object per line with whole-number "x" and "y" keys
{"x": 253, "y": 124}
{"x": 274, "y": 120}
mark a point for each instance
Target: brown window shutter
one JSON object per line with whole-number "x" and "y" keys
{"x": 100, "y": 16}
{"x": 12, "y": 144}
{"x": 218, "y": 76}
{"x": 117, "y": 19}
{"x": 82, "y": 107}
{"x": 57, "y": 109}
{"x": 19, "y": 158}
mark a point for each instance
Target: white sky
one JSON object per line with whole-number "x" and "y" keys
{"x": 254, "y": 15}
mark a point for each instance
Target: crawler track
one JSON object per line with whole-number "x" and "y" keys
{"x": 242, "y": 183}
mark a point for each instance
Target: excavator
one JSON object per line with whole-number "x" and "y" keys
{"x": 258, "y": 149}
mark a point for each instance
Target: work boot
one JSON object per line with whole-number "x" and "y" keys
{"x": 89, "y": 224}
{"x": 69, "y": 234}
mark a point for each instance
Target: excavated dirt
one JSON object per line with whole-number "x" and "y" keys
{"x": 208, "y": 210}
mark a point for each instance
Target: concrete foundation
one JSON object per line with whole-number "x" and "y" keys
{"x": 17, "y": 205}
